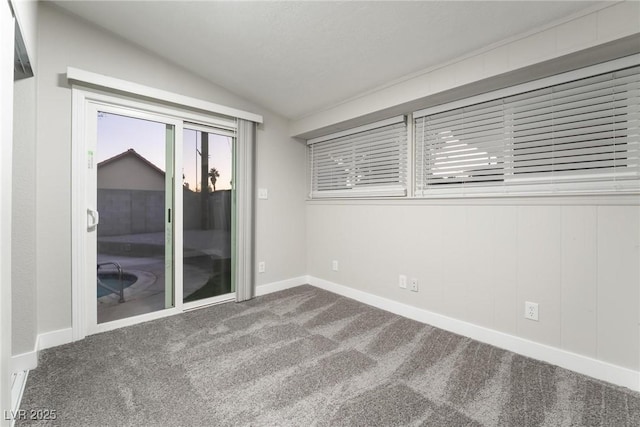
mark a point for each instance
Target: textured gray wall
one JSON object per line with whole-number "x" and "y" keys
{"x": 23, "y": 239}
{"x": 130, "y": 212}
{"x": 219, "y": 210}
{"x": 142, "y": 211}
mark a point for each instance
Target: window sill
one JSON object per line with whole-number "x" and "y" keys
{"x": 560, "y": 199}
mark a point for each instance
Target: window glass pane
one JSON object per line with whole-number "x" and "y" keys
{"x": 207, "y": 197}
{"x": 132, "y": 199}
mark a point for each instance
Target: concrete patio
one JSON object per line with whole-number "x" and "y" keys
{"x": 147, "y": 294}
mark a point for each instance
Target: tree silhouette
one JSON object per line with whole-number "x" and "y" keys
{"x": 214, "y": 175}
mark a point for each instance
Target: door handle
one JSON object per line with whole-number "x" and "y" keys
{"x": 93, "y": 219}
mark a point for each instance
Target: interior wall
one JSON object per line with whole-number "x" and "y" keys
{"x": 23, "y": 242}
{"x": 24, "y": 300}
{"x": 6, "y": 144}
{"x": 479, "y": 261}
{"x": 65, "y": 40}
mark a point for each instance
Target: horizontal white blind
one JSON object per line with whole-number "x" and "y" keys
{"x": 581, "y": 130}
{"x": 462, "y": 146}
{"x": 368, "y": 163}
{"x": 579, "y": 134}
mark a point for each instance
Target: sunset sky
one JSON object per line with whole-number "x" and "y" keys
{"x": 117, "y": 134}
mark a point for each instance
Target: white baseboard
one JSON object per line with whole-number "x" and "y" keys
{"x": 575, "y": 362}
{"x": 18, "y": 383}
{"x": 25, "y": 361}
{"x": 268, "y": 288}
{"x": 29, "y": 360}
{"x": 55, "y": 338}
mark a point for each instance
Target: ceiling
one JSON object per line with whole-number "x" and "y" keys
{"x": 297, "y": 58}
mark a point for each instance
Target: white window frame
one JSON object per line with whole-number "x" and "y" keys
{"x": 542, "y": 189}
{"x": 368, "y": 190}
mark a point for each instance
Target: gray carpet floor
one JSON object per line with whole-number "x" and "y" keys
{"x": 305, "y": 357}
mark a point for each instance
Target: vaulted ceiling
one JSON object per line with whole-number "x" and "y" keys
{"x": 297, "y": 58}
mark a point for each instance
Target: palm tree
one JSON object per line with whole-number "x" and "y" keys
{"x": 214, "y": 175}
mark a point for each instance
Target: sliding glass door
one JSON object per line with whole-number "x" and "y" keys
{"x": 160, "y": 216}
{"x": 207, "y": 206}
{"x": 134, "y": 198}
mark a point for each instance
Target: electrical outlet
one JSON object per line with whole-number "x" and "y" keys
{"x": 263, "y": 193}
{"x": 414, "y": 284}
{"x": 334, "y": 265}
{"x": 402, "y": 281}
{"x": 531, "y": 310}
{"x": 262, "y": 267}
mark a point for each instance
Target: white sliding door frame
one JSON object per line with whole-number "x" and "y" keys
{"x": 85, "y": 98}
{"x": 173, "y": 293}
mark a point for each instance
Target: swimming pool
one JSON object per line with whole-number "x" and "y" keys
{"x": 113, "y": 281}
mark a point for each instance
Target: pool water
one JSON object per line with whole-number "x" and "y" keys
{"x": 112, "y": 280}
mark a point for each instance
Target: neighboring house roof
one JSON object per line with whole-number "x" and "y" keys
{"x": 131, "y": 152}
